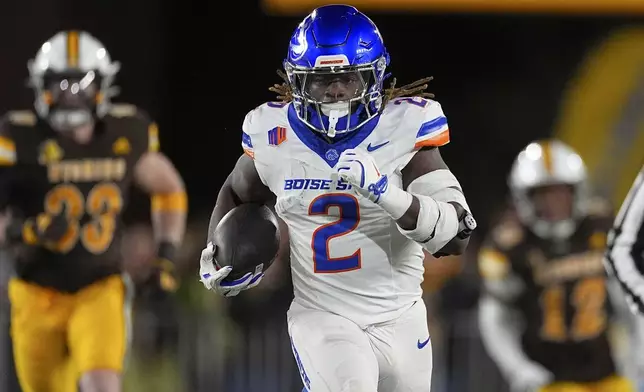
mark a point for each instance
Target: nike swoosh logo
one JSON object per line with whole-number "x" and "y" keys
{"x": 422, "y": 344}
{"x": 371, "y": 148}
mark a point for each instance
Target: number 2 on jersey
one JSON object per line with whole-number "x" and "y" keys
{"x": 103, "y": 203}
{"x": 349, "y": 217}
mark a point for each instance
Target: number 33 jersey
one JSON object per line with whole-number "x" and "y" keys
{"x": 347, "y": 255}
{"x": 51, "y": 174}
{"x": 559, "y": 289}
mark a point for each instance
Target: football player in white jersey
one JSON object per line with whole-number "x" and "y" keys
{"x": 356, "y": 175}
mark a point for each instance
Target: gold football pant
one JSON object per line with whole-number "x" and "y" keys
{"x": 57, "y": 337}
{"x": 611, "y": 384}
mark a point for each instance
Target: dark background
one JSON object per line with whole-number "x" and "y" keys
{"x": 198, "y": 67}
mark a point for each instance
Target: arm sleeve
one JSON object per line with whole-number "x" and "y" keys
{"x": 501, "y": 335}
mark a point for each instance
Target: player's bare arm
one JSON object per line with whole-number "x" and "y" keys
{"x": 156, "y": 175}
{"x": 243, "y": 185}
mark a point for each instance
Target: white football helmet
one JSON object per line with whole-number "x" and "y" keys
{"x": 72, "y": 76}
{"x": 542, "y": 163}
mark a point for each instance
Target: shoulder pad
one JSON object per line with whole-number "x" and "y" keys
{"x": 265, "y": 116}
{"x": 121, "y": 110}
{"x": 433, "y": 130}
{"x": 129, "y": 121}
{"x": 493, "y": 264}
{"x": 268, "y": 117}
{"x": 130, "y": 113}
{"x": 22, "y": 118}
{"x": 425, "y": 118}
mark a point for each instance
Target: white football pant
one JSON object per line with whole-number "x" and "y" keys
{"x": 336, "y": 355}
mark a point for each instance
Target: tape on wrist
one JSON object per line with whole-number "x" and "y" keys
{"x": 395, "y": 201}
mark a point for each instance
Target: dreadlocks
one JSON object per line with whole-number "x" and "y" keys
{"x": 283, "y": 91}
{"x": 415, "y": 89}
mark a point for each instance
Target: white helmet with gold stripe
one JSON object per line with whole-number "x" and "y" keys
{"x": 544, "y": 163}
{"x": 72, "y": 75}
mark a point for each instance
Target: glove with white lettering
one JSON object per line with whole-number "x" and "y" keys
{"x": 358, "y": 168}
{"x": 212, "y": 276}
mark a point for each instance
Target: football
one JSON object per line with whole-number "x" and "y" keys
{"x": 247, "y": 239}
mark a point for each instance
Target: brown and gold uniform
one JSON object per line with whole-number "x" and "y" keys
{"x": 562, "y": 298}
{"x": 69, "y": 300}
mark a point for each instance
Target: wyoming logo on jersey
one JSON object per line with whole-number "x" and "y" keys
{"x": 121, "y": 146}
{"x": 50, "y": 152}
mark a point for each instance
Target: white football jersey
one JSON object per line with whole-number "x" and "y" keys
{"x": 347, "y": 255}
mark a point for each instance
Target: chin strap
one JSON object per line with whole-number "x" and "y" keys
{"x": 334, "y": 115}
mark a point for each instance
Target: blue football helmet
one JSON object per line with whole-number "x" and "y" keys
{"x": 336, "y": 67}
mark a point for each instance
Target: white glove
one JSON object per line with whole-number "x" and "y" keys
{"x": 530, "y": 378}
{"x": 212, "y": 277}
{"x": 358, "y": 168}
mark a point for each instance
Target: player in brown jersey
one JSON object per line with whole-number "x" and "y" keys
{"x": 65, "y": 172}
{"x": 544, "y": 313}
